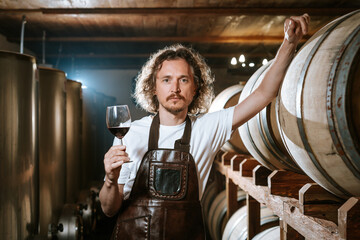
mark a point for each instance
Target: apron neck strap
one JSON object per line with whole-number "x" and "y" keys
{"x": 182, "y": 144}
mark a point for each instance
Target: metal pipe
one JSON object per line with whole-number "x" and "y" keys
{"x": 23, "y": 22}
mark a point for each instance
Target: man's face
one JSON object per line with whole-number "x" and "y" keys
{"x": 175, "y": 87}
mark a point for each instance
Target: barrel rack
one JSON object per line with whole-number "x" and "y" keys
{"x": 306, "y": 210}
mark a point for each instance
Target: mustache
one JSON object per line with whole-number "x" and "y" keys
{"x": 174, "y": 96}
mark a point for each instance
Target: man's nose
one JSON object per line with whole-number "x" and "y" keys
{"x": 175, "y": 87}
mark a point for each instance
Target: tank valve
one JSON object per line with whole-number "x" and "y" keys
{"x": 55, "y": 229}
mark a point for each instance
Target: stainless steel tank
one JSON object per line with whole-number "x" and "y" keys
{"x": 73, "y": 139}
{"x": 70, "y": 226}
{"x": 52, "y": 147}
{"x": 18, "y": 147}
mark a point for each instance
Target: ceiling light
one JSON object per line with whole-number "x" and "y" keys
{"x": 233, "y": 61}
{"x": 265, "y": 61}
{"x": 243, "y": 65}
{"x": 251, "y": 64}
{"x": 242, "y": 58}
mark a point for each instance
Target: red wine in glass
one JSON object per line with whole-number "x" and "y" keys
{"x": 118, "y": 120}
{"x": 119, "y": 132}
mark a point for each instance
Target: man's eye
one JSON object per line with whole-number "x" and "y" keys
{"x": 165, "y": 80}
{"x": 184, "y": 80}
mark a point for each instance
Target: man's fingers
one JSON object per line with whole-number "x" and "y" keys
{"x": 304, "y": 22}
{"x": 286, "y": 25}
{"x": 116, "y": 151}
{"x": 115, "y": 165}
{"x": 118, "y": 159}
{"x": 301, "y": 21}
{"x": 307, "y": 18}
{"x": 119, "y": 163}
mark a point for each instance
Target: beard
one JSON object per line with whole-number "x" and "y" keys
{"x": 174, "y": 109}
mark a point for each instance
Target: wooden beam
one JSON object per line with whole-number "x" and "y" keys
{"x": 219, "y": 11}
{"x": 147, "y": 55}
{"x": 192, "y": 39}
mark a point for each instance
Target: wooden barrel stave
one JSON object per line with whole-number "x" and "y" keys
{"x": 269, "y": 234}
{"x": 216, "y": 220}
{"x": 311, "y": 126}
{"x": 236, "y": 227}
{"x": 261, "y": 135}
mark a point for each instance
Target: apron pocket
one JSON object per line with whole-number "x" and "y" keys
{"x": 184, "y": 224}
{"x": 133, "y": 228}
{"x": 168, "y": 180}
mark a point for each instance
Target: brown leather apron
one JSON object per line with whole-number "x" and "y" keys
{"x": 164, "y": 200}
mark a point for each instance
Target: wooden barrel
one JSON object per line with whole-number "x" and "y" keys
{"x": 261, "y": 134}
{"x": 269, "y": 234}
{"x": 208, "y": 197}
{"x": 228, "y": 98}
{"x": 216, "y": 220}
{"x": 236, "y": 227}
{"x": 319, "y": 107}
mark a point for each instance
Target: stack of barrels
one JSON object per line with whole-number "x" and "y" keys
{"x": 313, "y": 126}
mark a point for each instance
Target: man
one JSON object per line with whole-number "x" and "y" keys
{"x": 157, "y": 197}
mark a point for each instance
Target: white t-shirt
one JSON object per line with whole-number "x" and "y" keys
{"x": 208, "y": 133}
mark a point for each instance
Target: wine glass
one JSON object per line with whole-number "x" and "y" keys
{"x": 118, "y": 120}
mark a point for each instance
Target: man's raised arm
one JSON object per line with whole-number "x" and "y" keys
{"x": 294, "y": 29}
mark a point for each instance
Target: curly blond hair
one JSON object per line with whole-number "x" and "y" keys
{"x": 145, "y": 81}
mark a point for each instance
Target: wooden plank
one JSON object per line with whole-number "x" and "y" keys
{"x": 195, "y": 39}
{"x": 315, "y": 201}
{"x": 215, "y": 11}
{"x": 221, "y": 168}
{"x": 260, "y": 174}
{"x": 146, "y": 55}
{"x": 247, "y": 166}
{"x": 286, "y": 183}
{"x": 226, "y": 158}
{"x": 236, "y": 160}
{"x": 231, "y": 198}
{"x": 218, "y": 155}
{"x": 253, "y": 216}
{"x": 288, "y": 233}
{"x": 307, "y": 226}
{"x": 349, "y": 219}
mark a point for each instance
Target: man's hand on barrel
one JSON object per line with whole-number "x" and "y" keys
{"x": 296, "y": 27}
